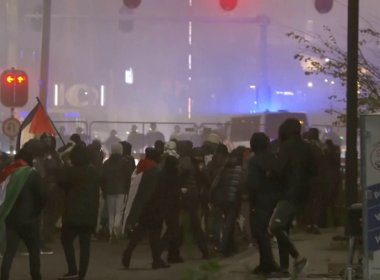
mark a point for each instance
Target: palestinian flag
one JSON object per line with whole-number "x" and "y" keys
{"x": 143, "y": 185}
{"x": 35, "y": 124}
{"x": 12, "y": 180}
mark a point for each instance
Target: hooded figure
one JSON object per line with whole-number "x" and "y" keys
{"x": 170, "y": 196}
{"x": 116, "y": 179}
{"x": 80, "y": 183}
{"x": 263, "y": 187}
{"x": 296, "y": 165}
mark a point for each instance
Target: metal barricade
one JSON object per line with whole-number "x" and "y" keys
{"x": 135, "y": 132}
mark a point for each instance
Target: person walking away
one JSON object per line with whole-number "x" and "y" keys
{"x": 225, "y": 194}
{"x": 116, "y": 179}
{"x": 318, "y": 185}
{"x": 190, "y": 180}
{"x": 145, "y": 215}
{"x": 22, "y": 198}
{"x": 332, "y": 167}
{"x": 245, "y": 208}
{"x": 171, "y": 192}
{"x": 127, "y": 154}
{"x": 54, "y": 207}
{"x": 41, "y": 164}
{"x": 263, "y": 187}
{"x": 296, "y": 167}
{"x": 80, "y": 183}
{"x": 96, "y": 156}
{"x": 213, "y": 168}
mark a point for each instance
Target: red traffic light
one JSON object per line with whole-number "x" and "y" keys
{"x": 12, "y": 78}
{"x": 9, "y": 79}
{"x": 14, "y": 88}
{"x": 21, "y": 79}
{"x": 228, "y": 5}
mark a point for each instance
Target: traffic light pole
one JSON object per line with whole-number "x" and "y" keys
{"x": 45, "y": 52}
{"x": 351, "y": 175}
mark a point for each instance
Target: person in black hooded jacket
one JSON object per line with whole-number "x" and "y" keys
{"x": 80, "y": 183}
{"x": 263, "y": 185}
{"x": 296, "y": 167}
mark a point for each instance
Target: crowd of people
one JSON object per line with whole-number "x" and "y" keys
{"x": 207, "y": 188}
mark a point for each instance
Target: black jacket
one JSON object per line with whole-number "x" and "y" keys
{"x": 263, "y": 181}
{"x": 189, "y": 177}
{"x": 29, "y": 203}
{"x": 116, "y": 178}
{"x": 169, "y": 183}
{"x": 296, "y": 167}
{"x": 227, "y": 185}
{"x": 81, "y": 186}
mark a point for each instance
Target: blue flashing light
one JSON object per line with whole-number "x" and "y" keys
{"x": 23, "y": 114}
{"x": 72, "y": 114}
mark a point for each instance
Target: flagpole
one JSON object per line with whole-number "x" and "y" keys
{"x": 52, "y": 123}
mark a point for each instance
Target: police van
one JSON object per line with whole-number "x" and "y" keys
{"x": 242, "y": 127}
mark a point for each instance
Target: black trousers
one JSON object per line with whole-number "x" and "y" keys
{"x": 152, "y": 226}
{"x": 191, "y": 208}
{"x": 69, "y": 233}
{"x": 30, "y": 235}
{"x": 52, "y": 212}
{"x": 171, "y": 240}
{"x": 280, "y": 224}
{"x": 259, "y": 226}
{"x": 225, "y": 224}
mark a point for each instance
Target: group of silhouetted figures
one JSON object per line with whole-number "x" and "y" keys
{"x": 174, "y": 190}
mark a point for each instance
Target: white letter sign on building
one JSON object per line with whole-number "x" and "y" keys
{"x": 370, "y": 181}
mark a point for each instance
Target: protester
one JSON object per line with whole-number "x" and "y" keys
{"x": 214, "y": 167}
{"x": 22, "y": 200}
{"x": 317, "y": 199}
{"x": 64, "y": 151}
{"x": 263, "y": 185}
{"x": 245, "y": 208}
{"x": 97, "y": 155}
{"x": 81, "y": 185}
{"x": 116, "y": 178}
{"x": 171, "y": 192}
{"x": 225, "y": 196}
{"x": 333, "y": 175}
{"x": 296, "y": 167}
{"x": 54, "y": 207}
{"x": 160, "y": 147}
{"x": 146, "y": 214}
{"x": 190, "y": 178}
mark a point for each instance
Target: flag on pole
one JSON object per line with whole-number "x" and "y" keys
{"x": 36, "y": 123}
{"x": 12, "y": 180}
